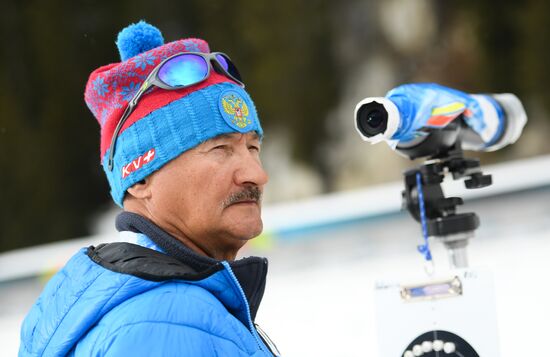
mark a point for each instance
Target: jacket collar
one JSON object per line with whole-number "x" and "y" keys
{"x": 250, "y": 272}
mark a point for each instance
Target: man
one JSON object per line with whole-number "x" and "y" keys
{"x": 180, "y": 143}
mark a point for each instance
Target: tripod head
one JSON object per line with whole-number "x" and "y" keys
{"x": 442, "y": 221}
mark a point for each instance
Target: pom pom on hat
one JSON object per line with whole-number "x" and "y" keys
{"x": 138, "y": 38}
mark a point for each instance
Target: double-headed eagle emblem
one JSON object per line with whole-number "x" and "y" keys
{"x": 237, "y": 109}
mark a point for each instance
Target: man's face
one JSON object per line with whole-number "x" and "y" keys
{"x": 212, "y": 193}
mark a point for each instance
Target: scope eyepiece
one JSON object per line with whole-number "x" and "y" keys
{"x": 515, "y": 119}
{"x": 376, "y": 119}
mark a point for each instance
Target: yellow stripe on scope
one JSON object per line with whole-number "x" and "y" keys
{"x": 449, "y": 109}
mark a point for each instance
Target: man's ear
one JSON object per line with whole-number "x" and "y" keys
{"x": 141, "y": 189}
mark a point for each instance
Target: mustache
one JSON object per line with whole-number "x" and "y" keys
{"x": 252, "y": 193}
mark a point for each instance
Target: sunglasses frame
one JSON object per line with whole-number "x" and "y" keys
{"x": 153, "y": 80}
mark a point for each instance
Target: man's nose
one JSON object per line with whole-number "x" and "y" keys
{"x": 250, "y": 170}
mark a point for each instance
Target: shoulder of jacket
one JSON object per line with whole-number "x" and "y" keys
{"x": 149, "y": 338}
{"x": 176, "y": 302}
{"x": 182, "y": 308}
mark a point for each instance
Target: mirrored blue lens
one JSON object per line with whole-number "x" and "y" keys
{"x": 228, "y": 66}
{"x": 183, "y": 70}
{"x": 221, "y": 59}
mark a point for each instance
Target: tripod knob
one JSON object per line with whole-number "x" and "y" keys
{"x": 478, "y": 180}
{"x": 449, "y": 204}
{"x": 453, "y": 224}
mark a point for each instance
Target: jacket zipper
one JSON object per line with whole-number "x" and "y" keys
{"x": 251, "y": 326}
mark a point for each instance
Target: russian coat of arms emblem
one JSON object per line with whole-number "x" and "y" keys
{"x": 237, "y": 109}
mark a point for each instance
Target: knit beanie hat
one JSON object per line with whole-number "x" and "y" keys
{"x": 165, "y": 123}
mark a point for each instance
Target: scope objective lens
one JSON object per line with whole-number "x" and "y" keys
{"x": 372, "y": 119}
{"x": 375, "y": 118}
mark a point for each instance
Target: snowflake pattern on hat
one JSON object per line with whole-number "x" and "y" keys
{"x": 144, "y": 60}
{"x": 100, "y": 87}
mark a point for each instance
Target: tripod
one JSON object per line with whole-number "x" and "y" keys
{"x": 442, "y": 221}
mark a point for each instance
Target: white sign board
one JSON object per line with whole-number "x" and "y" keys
{"x": 450, "y": 315}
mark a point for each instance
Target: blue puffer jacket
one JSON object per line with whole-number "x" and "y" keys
{"x": 157, "y": 298}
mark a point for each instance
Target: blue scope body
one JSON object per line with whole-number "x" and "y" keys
{"x": 412, "y": 114}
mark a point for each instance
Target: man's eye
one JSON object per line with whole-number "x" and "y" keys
{"x": 254, "y": 148}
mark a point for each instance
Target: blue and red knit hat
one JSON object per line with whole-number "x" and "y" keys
{"x": 165, "y": 123}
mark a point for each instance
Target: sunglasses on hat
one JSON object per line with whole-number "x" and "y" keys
{"x": 176, "y": 72}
